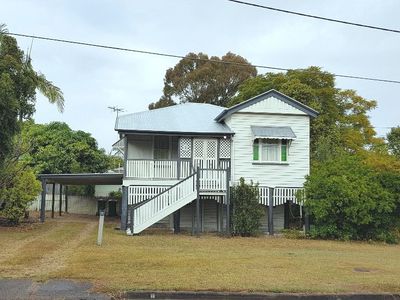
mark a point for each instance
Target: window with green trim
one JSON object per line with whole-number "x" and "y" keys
{"x": 270, "y": 150}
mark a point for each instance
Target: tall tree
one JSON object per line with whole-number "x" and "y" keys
{"x": 343, "y": 121}
{"x": 198, "y": 78}
{"x": 18, "y": 85}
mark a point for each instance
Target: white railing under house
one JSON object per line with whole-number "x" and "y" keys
{"x": 157, "y": 169}
{"x": 212, "y": 180}
{"x": 150, "y": 211}
{"x": 263, "y": 193}
{"x": 140, "y": 193}
{"x": 280, "y": 195}
{"x": 286, "y": 194}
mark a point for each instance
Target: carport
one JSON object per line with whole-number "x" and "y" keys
{"x": 73, "y": 179}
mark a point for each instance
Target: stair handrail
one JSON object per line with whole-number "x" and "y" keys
{"x": 135, "y": 206}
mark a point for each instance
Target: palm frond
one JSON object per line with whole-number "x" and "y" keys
{"x": 50, "y": 91}
{"x": 3, "y": 28}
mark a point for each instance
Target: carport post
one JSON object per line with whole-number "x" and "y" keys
{"x": 53, "y": 200}
{"x": 124, "y": 208}
{"x": 43, "y": 202}
{"x": 60, "y": 206}
{"x": 66, "y": 198}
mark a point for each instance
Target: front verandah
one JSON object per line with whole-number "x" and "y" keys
{"x": 169, "y": 157}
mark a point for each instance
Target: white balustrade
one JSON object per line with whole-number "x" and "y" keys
{"x": 263, "y": 193}
{"x": 212, "y": 180}
{"x": 157, "y": 169}
{"x": 285, "y": 194}
{"x": 140, "y": 193}
{"x": 154, "y": 209}
{"x": 280, "y": 195}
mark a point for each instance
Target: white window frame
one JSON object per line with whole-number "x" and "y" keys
{"x": 263, "y": 141}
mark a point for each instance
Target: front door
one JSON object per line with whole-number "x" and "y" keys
{"x": 205, "y": 153}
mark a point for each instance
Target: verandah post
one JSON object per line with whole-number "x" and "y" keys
{"x": 270, "y": 211}
{"x": 177, "y": 221}
{"x": 228, "y": 204}
{"x": 43, "y": 202}
{"x": 198, "y": 202}
{"x": 124, "y": 208}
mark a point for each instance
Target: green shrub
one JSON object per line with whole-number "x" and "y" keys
{"x": 350, "y": 200}
{"x": 247, "y": 211}
{"x": 15, "y": 196}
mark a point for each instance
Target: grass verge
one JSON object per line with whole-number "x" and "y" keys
{"x": 183, "y": 262}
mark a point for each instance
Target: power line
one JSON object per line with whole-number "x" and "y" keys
{"x": 189, "y": 58}
{"x": 315, "y": 17}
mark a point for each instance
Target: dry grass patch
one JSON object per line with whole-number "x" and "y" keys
{"x": 26, "y": 250}
{"x": 183, "y": 262}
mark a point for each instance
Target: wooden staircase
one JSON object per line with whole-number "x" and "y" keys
{"x": 146, "y": 213}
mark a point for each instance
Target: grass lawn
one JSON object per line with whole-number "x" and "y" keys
{"x": 66, "y": 248}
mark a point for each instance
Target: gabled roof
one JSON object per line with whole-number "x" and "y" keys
{"x": 271, "y": 93}
{"x": 188, "y": 118}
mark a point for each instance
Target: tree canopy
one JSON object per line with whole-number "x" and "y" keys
{"x": 343, "y": 120}
{"x": 56, "y": 148}
{"x": 202, "y": 79}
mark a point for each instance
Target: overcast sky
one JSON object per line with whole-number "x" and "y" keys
{"x": 93, "y": 79}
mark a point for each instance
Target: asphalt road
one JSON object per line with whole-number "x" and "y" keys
{"x": 53, "y": 289}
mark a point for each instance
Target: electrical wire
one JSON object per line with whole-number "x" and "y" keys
{"x": 185, "y": 57}
{"x": 315, "y": 17}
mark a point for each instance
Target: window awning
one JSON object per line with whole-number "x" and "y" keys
{"x": 273, "y": 132}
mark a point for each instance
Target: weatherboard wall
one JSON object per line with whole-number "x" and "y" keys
{"x": 270, "y": 113}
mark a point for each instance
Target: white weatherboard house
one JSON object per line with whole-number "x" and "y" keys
{"x": 179, "y": 161}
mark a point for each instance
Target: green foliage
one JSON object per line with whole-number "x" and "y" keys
{"x": 8, "y": 116}
{"x": 350, "y": 199}
{"x": 393, "y": 139}
{"x": 247, "y": 212}
{"x": 55, "y": 148}
{"x": 343, "y": 121}
{"x": 116, "y": 194}
{"x": 198, "y": 78}
{"x": 115, "y": 162}
{"x": 163, "y": 102}
{"x": 18, "y": 188}
{"x": 18, "y": 85}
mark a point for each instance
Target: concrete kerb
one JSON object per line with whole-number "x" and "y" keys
{"x": 254, "y": 296}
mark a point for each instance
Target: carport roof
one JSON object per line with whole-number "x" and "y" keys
{"x": 83, "y": 178}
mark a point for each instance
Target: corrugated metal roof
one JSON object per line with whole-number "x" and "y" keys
{"x": 281, "y": 132}
{"x": 181, "y": 118}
